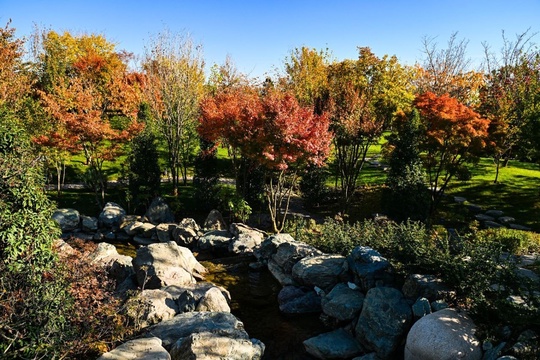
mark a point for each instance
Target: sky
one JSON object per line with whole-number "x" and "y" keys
{"x": 258, "y": 35}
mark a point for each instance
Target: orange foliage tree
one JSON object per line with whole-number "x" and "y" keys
{"x": 274, "y": 131}
{"x": 92, "y": 101}
{"x": 453, "y": 135}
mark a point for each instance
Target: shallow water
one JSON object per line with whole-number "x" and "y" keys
{"x": 254, "y": 302}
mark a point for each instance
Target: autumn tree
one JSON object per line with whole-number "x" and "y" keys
{"x": 454, "y": 135}
{"x": 448, "y": 71}
{"x": 92, "y": 100}
{"x": 509, "y": 95}
{"x": 175, "y": 71}
{"x": 363, "y": 96}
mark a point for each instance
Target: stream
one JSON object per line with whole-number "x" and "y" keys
{"x": 254, "y": 302}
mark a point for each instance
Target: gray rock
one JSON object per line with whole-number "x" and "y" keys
{"x": 491, "y": 352}
{"x": 159, "y": 212}
{"x": 164, "y": 231}
{"x": 150, "y": 307}
{"x": 337, "y": 344}
{"x": 383, "y": 322}
{"x": 118, "y": 266}
{"x": 140, "y": 349}
{"x": 162, "y": 264}
{"x": 492, "y": 225}
{"x": 89, "y": 224}
{"x": 296, "y": 300}
{"x": 213, "y": 300}
{"x": 230, "y": 345}
{"x": 281, "y": 276}
{"x": 370, "y": 356}
{"x": 323, "y": 271}
{"x": 459, "y": 199}
{"x": 342, "y": 303}
{"x": 447, "y": 332}
{"x": 214, "y": 221}
{"x": 484, "y": 217}
{"x": 270, "y": 245}
{"x": 245, "y": 239}
{"x": 141, "y": 240}
{"x": 494, "y": 213}
{"x": 111, "y": 216}
{"x": 183, "y": 325}
{"x": 438, "y": 305}
{"x": 186, "y": 302}
{"x": 519, "y": 227}
{"x": 421, "y": 308}
{"x": 427, "y": 286}
{"x": 473, "y": 208}
{"x": 198, "y": 290}
{"x": 506, "y": 219}
{"x": 186, "y": 233}
{"x": 216, "y": 240}
{"x": 369, "y": 267}
{"x": 289, "y": 253}
{"x": 67, "y": 219}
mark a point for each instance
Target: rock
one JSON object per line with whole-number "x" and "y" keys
{"x": 216, "y": 240}
{"x": 484, "y": 217}
{"x": 103, "y": 250}
{"x": 289, "y": 253}
{"x": 421, "y": 308}
{"x": 164, "y": 231}
{"x": 132, "y": 228}
{"x": 277, "y": 272}
{"x": 492, "y": 353}
{"x": 89, "y": 224}
{"x": 494, "y": 213}
{"x": 342, "y": 303}
{"x": 150, "y": 307}
{"x": 111, "y": 216}
{"x": 338, "y": 344}
{"x": 186, "y": 232}
{"x": 198, "y": 290}
{"x": 159, "y": 212}
{"x": 296, "y": 300}
{"x": 426, "y": 286}
{"x": 383, "y": 322}
{"x": 162, "y": 264}
{"x": 369, "y": 267}
{"x": 231, "y": 345}
{"x": 123, "y": 290}
{"x": 138, "y": 349}
{"x": 459, "y": 199}
{"x": 270, "y": 245}
{"x": 492, "y": 225}
{"x": 438, "y": 305}
{"x": 245, "y": 239}
{"x": 186, "y": 302}
{"x": 370, "y": 356}
{"x": 183, "y": 325}
{"x": 213, "y": 300}
{"x": 63, "y": 249}
{"x": 67, "y": 219}
{"x": 473, "y": 208}
{"x": 447, "y": 332}
{"x": 519, "y": 227}
{"x": 506, "y": 220}
{"x": 323, "y": 271}
{"x": 118, "y": 266}
{"x": 214, "y": 221}
{"x": 140, "y": 240}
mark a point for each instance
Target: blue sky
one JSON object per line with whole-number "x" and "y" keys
{"x": 258, "y": 35}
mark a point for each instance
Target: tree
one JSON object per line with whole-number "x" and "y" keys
{"x": 447, "y": 71}
{"x": 407, "y": 196}
{"x": 175, "y": 82}
{"x": 363, "y": 96}
{"x": 454, "y": 135}
{"x": 508, "y": 95}
{"x": 91, "y": 98}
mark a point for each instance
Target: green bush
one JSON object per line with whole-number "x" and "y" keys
{"x": 513, "y": 241}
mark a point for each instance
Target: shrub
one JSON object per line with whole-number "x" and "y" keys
{"x": 313, "y": 186}
{"x": 206, "y": 177}
{"x": 512, "y": 241}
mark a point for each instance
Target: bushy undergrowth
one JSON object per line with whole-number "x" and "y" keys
{"x": 472, "y": 265}
{"x": 512, "y": 241}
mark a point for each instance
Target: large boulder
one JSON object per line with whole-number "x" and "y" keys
{"x": 159, "y": 212}
{"x": 297, "y": 300}
{"x": 164, "y": 231}
{"x": 323, "y": 271}
{"x": 230, "y": 345}
{"x": 89, "y": 224}
{"x": 213, "y": 300}
{"x": 285, "y": 279}
{"x": 337, "y": 344}
{"x": 445, "y": 334}
{"x": 383, "y": 322}
{"x": 343, "y": 303}
{"x": 111, "y": 216}
{"x": 214, "y": 221}
{"x": 197, "y": 290}
{"x": 369, "y": 267}
{"x": 426, "y": 286}
{"x": 270, "y": 245}
{"x": 162, "y": 264}
{"x": 67, "y": 219}
{"x": 150, "y": 307}
{"x": 186, "y": 233}
{"x": 245, "y": 239}
{"x": 138, "y": 349}
{"x": 289, "y": 253}
{"x": 118, "y": 266}
{"x": 185, "y": 324}
{"x": 215, "y": 240}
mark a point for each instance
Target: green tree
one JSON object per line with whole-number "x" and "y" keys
{"x": 174, "y": 68}
{"x": 407, "y": 196}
